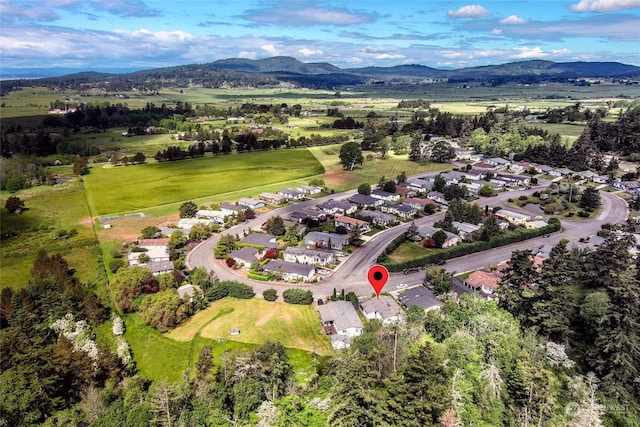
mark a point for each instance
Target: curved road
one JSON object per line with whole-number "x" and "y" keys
{"x": 351, "y": 274}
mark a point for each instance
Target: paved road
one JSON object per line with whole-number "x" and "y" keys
{"x": 351, "y": 275}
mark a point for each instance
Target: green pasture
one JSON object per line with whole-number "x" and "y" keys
{"x": 159, "y": 357}
{"x": 259, "y": 321}
{"x": 371, "y": 171}
{"x": 129, "y": 188}
{"x": 49, "y": 211}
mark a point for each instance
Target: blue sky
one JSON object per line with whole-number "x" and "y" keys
{"x": 99, "y": 34}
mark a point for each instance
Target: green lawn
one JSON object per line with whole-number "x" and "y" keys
{"x": 408, "y": 250}
{"x": 49, "y": 211}
{"x": 158, "y": 356}
{"x": 129, "y": 188}
{"x": 371, "y": 171}
{"x": 295, "y": 326}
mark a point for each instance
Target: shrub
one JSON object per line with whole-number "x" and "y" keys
{"x": 297, "y": 296}
{"x": 230, "y": 262}
{"x": 256, "y": 276}
{"x": 523, "y": 197}
{"x": 270, "y": 295}
{"x": 115, "y": 264}
{"x": 231, "y": 289}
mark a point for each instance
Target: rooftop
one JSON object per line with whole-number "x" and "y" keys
{"x": 341, "y": 313}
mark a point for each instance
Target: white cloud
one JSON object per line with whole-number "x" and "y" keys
{"x": 469, "y": 11}
{"x": 513, "y": 20}
{"x": 496, "y": 32}
{"x": 529, "y": 52}
{"x": 290, "y": 14}
{"x": 604, "y": 5}
{"x": 309, "y": 52}
{"x": 388, "y": 56}
{"x": 270, "y": 49}
{"x": 247, "y": 55}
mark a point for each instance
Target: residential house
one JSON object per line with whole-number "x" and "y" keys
{"x": 267, "y": 241}
{"x": 338, "y": 207}
{"x": 511, "y": 216}
{"x": 385, "y": 195}
{"x": 418, "y": 204}
{"x": 561, "y": 172}
{"x": 187, "y": 223}
{"x": 341, "y": 322}
{"x": 309, "y": 189}
{"x": 274, "y": 199}
{"x": 377, "y": 218}
{"x": 159, "y": 267}
{"x": 309, "y": 256}
{"x": 473, "y": 187}
{"x": 462, "y": 154}
{"x": 217, "y": 216}
{"x": 385, "y": 309}
{"x": 515, "y": 180}
{"x": 291, "y": 271}
{"x": 465, "y": 229}
{"x": 404, "y": 190}
{"x": 230, "y": 209}
{"x": 421, "y": 185}
{"x": 535, "y": 224}
{"x": 519, "y": 167}
{"x": 483, "y": 281}
{"x": 420, "y": 296}
{"x": 545, "y": 169}
{"x": 155, "y": 252}
{"x": 251, "y": 203}
{"x": 151, "y": 243}
{"x": 477, "y": 157}
{"x": 484, "y": 166}
{"x": 366, "y": 201}
{"x": 475, "y": 174}
{"x": 320, "y": 239}
{"x": 291, "y": 194}
{"x": 601, "y": 179}
{"x": 437, "y": 197}
{"x": 427, "y": 232}
{"x": 351, "y": 223}
{"x": 498, "y": 162}
{"x": 245, "y": 256}
{"x": 190, "y": 292}
{"x": 453, "y": 177}
{"x": 308, "y": 214}
{"x": 402, "y": 211}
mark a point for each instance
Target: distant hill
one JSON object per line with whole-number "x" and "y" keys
{"x": 236, "y": 72}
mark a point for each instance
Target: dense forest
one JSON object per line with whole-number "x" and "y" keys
{"x": 561, "y": 347}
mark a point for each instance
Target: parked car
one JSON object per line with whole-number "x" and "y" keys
{"x": 441, "y": 262}
{"x": 402, "y": 286}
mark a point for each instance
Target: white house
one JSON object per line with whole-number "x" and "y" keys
{"x": 321, "y": 239}
{"x": 217, "y": 216}
{"x": 291, "y": 271}
{"x": 385, "y": 195}
{"x": 351, "y": 223}
{"x": 340, "y": 320}
{"x": 385, "y": 309}
{"x": 245, "y": 256}
{"x": 309, "y": 256}
{"x": 338, "y": 207}
{"x": 366, "y": 201}
{"x": 309, "y": 189}
{"x": 378, "y": 218}
{"x": 291, "y": 194}
{"x": 402, "y": 211}
{"x": 187, "y": 223}
{"x": 230, "y": 209}
{"x": 274, "y": 199}
{"x": 464, "y": 228}
{"x": 251, "y": 203}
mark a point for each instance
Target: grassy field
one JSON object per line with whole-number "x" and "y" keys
{"x": 406, "y": 251}
{"x": 130, "y": 188}
{"x": 166, "y": 356}
{"x": 49, "y": 211}
{"x": 339, "y": 179}
{"x": 295, "y": 326}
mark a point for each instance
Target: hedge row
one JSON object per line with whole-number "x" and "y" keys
{"x": 297, "y": 296}
{"x": 229, "y": 289}
{"x": 469, "y": 248}
{"x": 251, "y": 245}
{"x": 257, "y": 276}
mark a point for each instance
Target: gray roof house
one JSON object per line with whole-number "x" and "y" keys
{"x": 159, "y": 267}
{"x": 385, "y": 195}
{"x": 366, "y": 201}
{"x": 420, "y": 296}
{"x": 322, "y": 239}
{"x": 251, "y": 203}
{"x": 291, "y": 271}
{"x": 341, "y": 321}
{"x": 378, "y": 218}
{"x": 338, "y": 207}
{"x": 291, "y": 194}
{"x": 245, "y": 255}
{"x": 231, "y": 209}
{"x": 385, "y": 309}
{"x": 266, "y": 240}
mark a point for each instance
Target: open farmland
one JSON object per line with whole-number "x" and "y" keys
{"x": 259, "y": 321}
{"x": 128, "y": 188}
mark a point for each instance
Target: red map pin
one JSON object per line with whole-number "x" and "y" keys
{"x": 378, "y": 276}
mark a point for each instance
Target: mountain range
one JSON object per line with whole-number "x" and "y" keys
{"x": 322, "y": 74}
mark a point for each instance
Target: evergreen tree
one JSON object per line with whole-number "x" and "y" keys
{"x": 276, "y": 226}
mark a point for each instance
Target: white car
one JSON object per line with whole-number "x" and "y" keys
{"x": 402, "y": 286}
